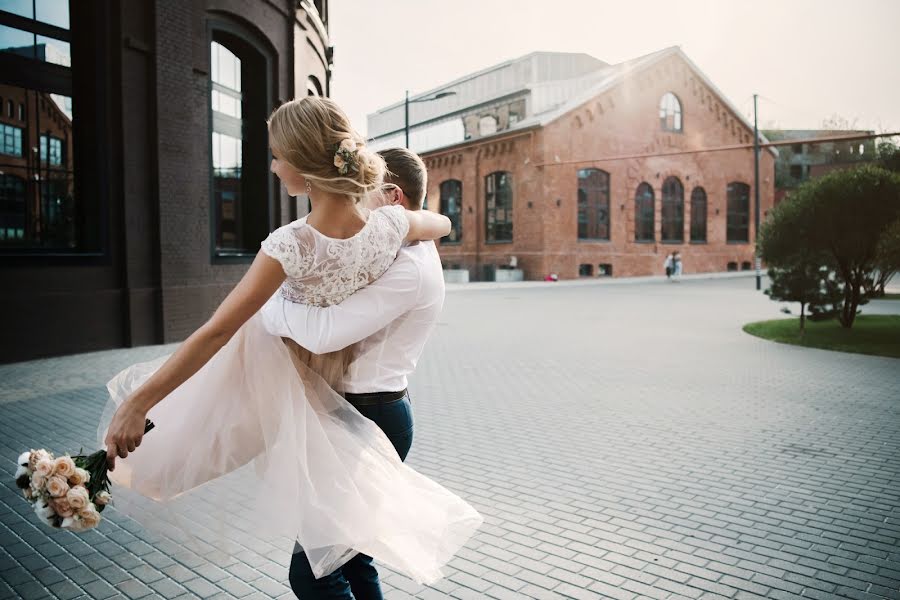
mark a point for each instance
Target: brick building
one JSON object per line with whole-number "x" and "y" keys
{"x": 134, "y": 182}
{"x": 558, "y": 160}
{"x": 804, "y": 160}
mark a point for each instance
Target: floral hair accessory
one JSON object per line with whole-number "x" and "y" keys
{"x": 345, "y": 157}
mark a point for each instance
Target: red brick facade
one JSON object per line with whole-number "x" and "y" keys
{"x": 622, "y": 121}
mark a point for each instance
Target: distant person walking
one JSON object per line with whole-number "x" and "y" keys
{"x": 676, "y": 266}
{"x": 669, "y": 264}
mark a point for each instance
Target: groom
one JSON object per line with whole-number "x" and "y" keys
{"x": 391, "y": 319}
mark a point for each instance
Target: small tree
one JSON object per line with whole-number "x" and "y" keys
{"x": 809, "y": 283}
{"x": 887, "y": 261}
{"x": 889, "y": 156}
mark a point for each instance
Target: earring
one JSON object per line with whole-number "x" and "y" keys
{"x": 308, "y": 187}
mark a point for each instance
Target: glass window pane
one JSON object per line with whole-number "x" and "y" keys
{"x": 24, "y": 8}
{"x": 54, "y": 12}
{"x": 16, "y": 41}
{"x": 53, "y": 51}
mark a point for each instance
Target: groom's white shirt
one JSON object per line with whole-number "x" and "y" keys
{"x": 391, "y": 318}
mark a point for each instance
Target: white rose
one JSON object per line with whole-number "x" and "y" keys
{"x": 23, "y": 459}
{"x": 348, "y": 144}
{"x": 78, "y": 497}
{"x": 102, "y": 498}
{"x": 90, "y": 518}
{"x": 80, "y": 477}
{"x": 65, "y": 466}
{"x": 44, "y": 467}
{"x": 57, "y": 486}
{"x": 71, "y": 523}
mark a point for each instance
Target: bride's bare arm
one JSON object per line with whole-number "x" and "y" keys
{"x": 426, "y": 225}
{"x": 257, "y": 286}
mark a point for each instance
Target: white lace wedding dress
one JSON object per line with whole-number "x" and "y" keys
{"x": 323, "y": 474}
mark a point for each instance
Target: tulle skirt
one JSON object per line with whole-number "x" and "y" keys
{"x": 322, "y": 474}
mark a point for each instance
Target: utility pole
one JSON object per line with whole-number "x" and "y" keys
{"x": 756, "y": 195}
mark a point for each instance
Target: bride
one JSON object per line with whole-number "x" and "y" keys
{"x": 232, "y": 394}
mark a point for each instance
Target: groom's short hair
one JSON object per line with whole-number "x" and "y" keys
{"x": 407, "y": 171}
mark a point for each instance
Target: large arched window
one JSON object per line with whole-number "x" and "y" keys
{"x": 451, "y": 207}
{"x": 644, "y": 213}
{"x": 240, "y": 99}
{"x": 698, "y": 215}
{"x": 12, "y": 209}
{"x": 498, "y": 198}
{"x": 593, "y": 204}
{"x": 670, "y": 112}
{"x": 738, "y": 215}
{"x": 672, "y": 210}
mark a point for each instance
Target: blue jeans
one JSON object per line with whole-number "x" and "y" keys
{"x": 358, "y": 578}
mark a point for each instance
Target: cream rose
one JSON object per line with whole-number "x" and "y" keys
{"x": 44, "y": 467}
{"x": 80, "y": 477}
{"x": 102, "y": 498}
{"x": 57, "y": 486}
{"x": 339, "y": 161}
{"x": 78, "y": 497}
{"x": 35, "y": 457}
{"x": 37, "y": 482}
{"x": 348, "y": 144}
{"x": 90, "y": 518}
{"x": 65, "y": 466}
{"x": 62, "y": 507}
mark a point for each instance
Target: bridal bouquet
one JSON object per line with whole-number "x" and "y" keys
{"x": 68, "y": 492}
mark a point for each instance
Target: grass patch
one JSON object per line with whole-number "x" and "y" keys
{"x": 878, "y": 335}
{"x": 889, "y": 297}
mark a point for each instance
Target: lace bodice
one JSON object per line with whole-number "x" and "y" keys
{"x": 322, "y": 271}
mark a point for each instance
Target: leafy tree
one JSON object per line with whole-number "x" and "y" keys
{"x": 809, "y": 283}
{"x": 840, "y": 217}
{"x": 887, "y": 261}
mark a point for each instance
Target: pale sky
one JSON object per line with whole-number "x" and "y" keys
{"x": 807, "y": 59}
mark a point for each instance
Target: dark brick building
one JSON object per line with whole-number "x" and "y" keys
{"x": 581, "y": 168}
{"x": 134, "y": 182}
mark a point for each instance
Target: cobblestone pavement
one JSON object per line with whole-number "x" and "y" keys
{"x": 622, "y": 441}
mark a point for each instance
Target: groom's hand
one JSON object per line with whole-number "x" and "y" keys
{"x": 125, "y": 433}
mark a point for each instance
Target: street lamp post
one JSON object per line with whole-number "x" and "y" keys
{"x": 406, "y": 104}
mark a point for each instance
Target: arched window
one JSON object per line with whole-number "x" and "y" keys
{"x": 698, "y": 215}
{"x": 240, "y": 100}
{"x": 738, "y": 212}
{"x": 12, "y": 208}
{"x": 644, "y": 213}
{"x": 672, "y": 210}
{"x": 498, "y": 197}
{"x": 670, "y": 112}
{"x": 451, "y": 207}
{"x": 593, "y": 204}
{"x": 313, "y": 87}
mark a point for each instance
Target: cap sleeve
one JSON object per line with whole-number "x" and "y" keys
{"x": 396, "y": 216}
{"x": 286, "y": 246}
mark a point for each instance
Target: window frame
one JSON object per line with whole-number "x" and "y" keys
{"x": 676, "y": 112}
{"x": 640, "y": 221}
{"x": 732, "y": 212}
{"x": 221, "y": 29}
{"x": 671, "y": 202}
{"x": 583, "y": 175}
{"x": 457, "y": 218}
{"x": 695, "y": 200}
{"x": 496, "y": 177}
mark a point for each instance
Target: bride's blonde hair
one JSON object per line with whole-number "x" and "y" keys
{"x": 311, "y": 133}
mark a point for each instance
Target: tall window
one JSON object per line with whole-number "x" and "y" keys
{"x": 451, "y": 207}
{"x": 41, "y": 207}
{"x": 10, "y": 140}
{"x": 593, "y": 204}
{"x": 738, "y": 215}
{"x": 498, "y": 195}
{"x": 698, "y": 215}
{"x": 670, "y": 112}
{"x": 672, "y": 210}
{"x": 644, "y": 214}
{"x": 239, "y": 100}
{"x": 12, "y": 208}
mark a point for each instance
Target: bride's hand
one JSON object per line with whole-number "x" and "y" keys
{"x": 125, "y": 432}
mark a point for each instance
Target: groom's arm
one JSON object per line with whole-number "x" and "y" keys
{"x": 367, "y": 311}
